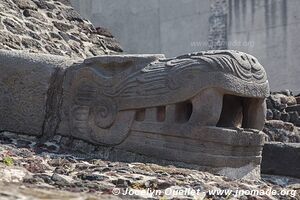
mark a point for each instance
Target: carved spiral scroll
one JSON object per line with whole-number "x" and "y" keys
{"x": 104, "y": 112}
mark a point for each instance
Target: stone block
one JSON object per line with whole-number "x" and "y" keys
{"x": 24, "y": 85}
{"x": 281, "y": 159}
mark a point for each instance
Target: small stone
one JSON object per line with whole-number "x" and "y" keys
{"x": 123, "y": 183}
{"x": 72, "y": 15}
{"x": 61, "y": 179}
{"x": 55, "y": 36}
{"x": 56, "y": 162}
{"x": 49, "y": 14}
{"x": 294, "y": 116}
{"x": 42, "y": 25}
{"x": 73, "y": 37}
{"x": 26, "y": 4}
{"x": 30, "y": 43}
{"x": 291, "y": 100}
{"x": 269, "y": 103}
{"x": 102, "y": 169}
{"x": 10, "y": 40}
{"x": 112, "y": 44}
{"x": 66, "y": 2}
{"x": 33, "y": 179}
{"x": 269, "y": 115}
{"x": 64, "y": 36}
{"x": 288, "y": 126}
{"x": 286, "y": 92}
{"x": 34, "y": 14}
{"x": 275, "y": 123}
{"x": 34, "y": 35}
{"x": 60, "y": 170}
{"x": 52, "y": 50}
{"x": 51, "y": 6}
{"x": 35, "y": 167}
{"x": 285, "y": 117}
{"x": 13, "y": 26}
{"x": 82, "y": 166}
{"x": 32, "y": 27}
{"x": 276, "y": 114}
{"x": 42, "y": 4}
{"x": 93, "y": 177}
{"x": 62, "y": 26}
{"x": 103, "y": 31}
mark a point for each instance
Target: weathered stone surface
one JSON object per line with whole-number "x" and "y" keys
{"x": 13, "y": 26}
{"x": 281, "y": 159}
{"x": 277, "y": 130}
{"x": 24, "y": 83}
{"x": 34, "y": 14}
{"x": 282, "y": 106}
{"x": 62, "y": 26}
{"x": 25, "y": 4}
{"x": 188, "y": 110}
{"x": 38, "y": 23}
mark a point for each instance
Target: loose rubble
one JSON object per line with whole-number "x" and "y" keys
{"x": 30, "y": 170}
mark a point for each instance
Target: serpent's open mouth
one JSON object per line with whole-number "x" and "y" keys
{"x": 241, "y": 112}
{"x": 209, "y": 109}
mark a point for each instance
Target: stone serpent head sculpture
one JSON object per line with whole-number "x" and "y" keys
{"x": 205, "y": 108}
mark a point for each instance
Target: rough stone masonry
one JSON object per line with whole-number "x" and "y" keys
{"x": 52, "y": 27}
{"x": 205, "y": 109}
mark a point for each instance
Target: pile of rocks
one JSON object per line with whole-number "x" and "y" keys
{"x": 51, "y": 27}
{"x": 283, "y": 117}
{"x": 43, "y": 169}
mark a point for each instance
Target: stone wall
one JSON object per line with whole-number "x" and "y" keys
{"x": 266, "y": 29}
{"x": 51, "y": 27}
{"x": 283, "y": 117}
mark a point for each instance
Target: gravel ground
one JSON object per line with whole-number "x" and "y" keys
{"x": 31, "y": 170}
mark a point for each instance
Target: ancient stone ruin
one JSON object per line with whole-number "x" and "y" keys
{"x": 205, "y": 109}
{"x": 52, "y": 27}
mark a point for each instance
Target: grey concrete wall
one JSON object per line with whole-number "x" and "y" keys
{"x": 268, "y": 29}
{"x": 151, "y": 26}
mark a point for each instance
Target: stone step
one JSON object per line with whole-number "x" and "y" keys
{"x": 281, "y": 159}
